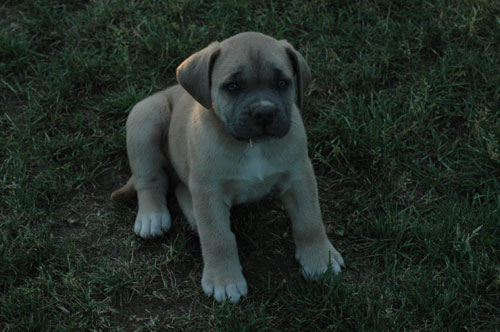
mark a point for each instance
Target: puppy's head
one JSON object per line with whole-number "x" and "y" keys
{"x": 248, "y": 81}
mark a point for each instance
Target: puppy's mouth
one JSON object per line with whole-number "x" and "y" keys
{"x": 258, "y": 135}
{"x": 246, "y": 131}
{"x": 257, "y": 138}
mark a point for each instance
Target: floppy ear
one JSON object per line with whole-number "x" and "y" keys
{"x": 195, "y": 74}
{"x": 300, "y": 68}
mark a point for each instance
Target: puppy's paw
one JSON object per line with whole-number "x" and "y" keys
{"x": 224, "y": 285}
{"x": 153, "y": 224}
{"x": 316, "y": 259}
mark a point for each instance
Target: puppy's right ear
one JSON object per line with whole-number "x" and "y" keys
{"x": 195, "y": 74}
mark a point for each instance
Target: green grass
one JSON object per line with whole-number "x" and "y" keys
{"x": 404, "y": 133}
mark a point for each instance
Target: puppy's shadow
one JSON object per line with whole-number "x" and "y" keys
{"x": 265, "y": 243}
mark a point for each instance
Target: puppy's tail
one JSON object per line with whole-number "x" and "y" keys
{"x": 126, "y": 192}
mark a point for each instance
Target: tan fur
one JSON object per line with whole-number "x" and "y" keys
{"x": 174, "y": 129}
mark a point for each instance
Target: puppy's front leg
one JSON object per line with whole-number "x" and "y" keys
{"x": 314, "y": 250}
{"x": 222, "y": 275}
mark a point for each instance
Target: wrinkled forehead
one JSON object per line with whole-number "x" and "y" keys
{"x": 252, "y": 62}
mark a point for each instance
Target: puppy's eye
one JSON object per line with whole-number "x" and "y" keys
{"x": 232, "y": 86}
{"x": 282, "y": 83}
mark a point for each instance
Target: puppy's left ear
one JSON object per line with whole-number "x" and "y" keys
{"x": 195, "y": 74}
{"x": 300, "y": 68}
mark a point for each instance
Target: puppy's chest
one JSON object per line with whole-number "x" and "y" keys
{"x": 253, "y": 177}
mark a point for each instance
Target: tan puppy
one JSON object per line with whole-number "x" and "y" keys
{"x": 228, "y": 134}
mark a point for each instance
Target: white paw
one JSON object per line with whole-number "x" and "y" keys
{"x": 150, "y": 225}
{"x": 316, "y": 260}
{"x": 230, "y": 286}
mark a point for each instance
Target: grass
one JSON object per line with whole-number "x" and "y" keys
{"x": 404, "y": 131}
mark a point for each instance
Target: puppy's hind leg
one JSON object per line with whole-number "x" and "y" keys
{"x": 126, "y": 192}
{"x": 147, "y": 127}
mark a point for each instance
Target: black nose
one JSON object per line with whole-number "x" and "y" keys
{"x": 264, "y": 114}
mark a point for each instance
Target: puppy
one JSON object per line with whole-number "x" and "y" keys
{"x": 229, "y": 133}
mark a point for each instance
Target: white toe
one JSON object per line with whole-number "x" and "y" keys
{"x": 242, "y": 287}
{"x": 233, "y": 293}
{"x": 219, "y": 293}
{"x": 138, "y": 226}
{"x": 207, "y": 288}
{"x": 146, "y": 228}
{"x": 166, "y": 222}
{"x": 340, "y": 260}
